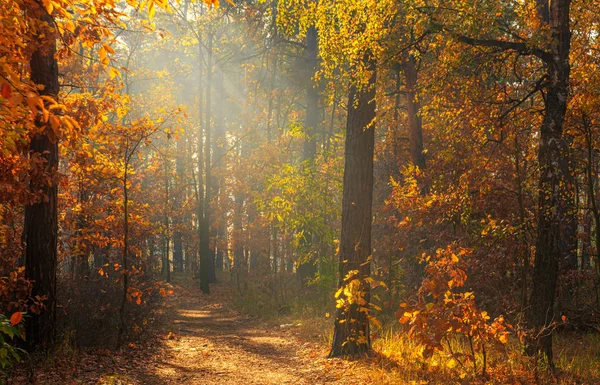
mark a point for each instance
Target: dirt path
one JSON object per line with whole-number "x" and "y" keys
{"x": 201, "y": 339}
{"x": 209, "y": 343}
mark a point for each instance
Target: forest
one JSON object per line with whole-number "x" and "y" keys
{"x": 300, "y": 192}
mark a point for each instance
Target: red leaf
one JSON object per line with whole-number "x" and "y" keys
{"x": 5, "y": 90}
{"x": 16, "y": 318}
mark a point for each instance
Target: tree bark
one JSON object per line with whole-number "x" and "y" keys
{"x": 41, "y": 217}
{"x": 351, "y": 328}
{"x": 552, "y": 150}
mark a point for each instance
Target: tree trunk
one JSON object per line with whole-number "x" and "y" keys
{"x": 415, "y": 122}
{"x": 202, "y": 231}
{"x": 177, "y": 220}
{"x": 219, "y": 145}
{"x": 351, "y": 328}
{"x": 208, "y": 253}
{"x": 166, "y": 265}
{"x": 307, "y": 268}
{"x": 125, "y": 267}
{"x": 41, "y": 217}
{"x": 552, "y": 150}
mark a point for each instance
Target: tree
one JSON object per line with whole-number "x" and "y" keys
{"x": 554, "y": 206}
{"x": 351, "y": 333}
{"x": 41, "y": 217}
{"x": 552, "y": 154}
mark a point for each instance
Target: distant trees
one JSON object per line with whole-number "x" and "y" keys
{"x": 215, "y": 140}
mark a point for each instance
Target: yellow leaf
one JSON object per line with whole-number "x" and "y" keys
{"x": 113, "y": 73}
{"x": 451, "y": 363}
{"x": 102, "y": 55}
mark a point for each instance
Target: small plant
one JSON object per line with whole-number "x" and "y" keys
{"x": 10, "y": 331}
{"x": 444, "y": 311}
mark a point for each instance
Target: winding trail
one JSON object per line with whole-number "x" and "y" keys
{"x": 209, "y": 343}
{"x": 200, "y": 339}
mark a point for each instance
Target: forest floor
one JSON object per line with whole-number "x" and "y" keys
{"x": 202, "y": 339}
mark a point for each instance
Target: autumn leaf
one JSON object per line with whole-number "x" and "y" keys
{"x": 16, "y": 318}
{"x": 503, "y": 338}
{"x": 5, "y": 90}
{"x": 113, "y": 73}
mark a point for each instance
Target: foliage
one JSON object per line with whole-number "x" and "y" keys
{"x": 11, "y": 331}
{"x": 445, "y": 310}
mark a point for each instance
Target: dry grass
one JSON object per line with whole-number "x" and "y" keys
{"x": 398, "y": 359}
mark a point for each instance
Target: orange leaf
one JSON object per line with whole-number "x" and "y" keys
{"x": 163, "y": 292}
{"x": 5, "y": 90}
{"x": 54, "y": 122}
{"x": 16, "y": 318}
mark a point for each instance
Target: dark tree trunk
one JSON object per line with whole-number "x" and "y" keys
{"x": 81, "y": 253}
{"x": 41, "y": 217}
{"x": 240, "y": 267}
{"x": 275, "y": 249}
{"x": 203, "y": 236}
{"x": 125, "y": 267}
{"x": 351, "y": 328}
{"x": 219, "y": 145}
{"x": 166, "y": 265}
{"x": 208, "y": 253}
{"x": 552, "y": 150}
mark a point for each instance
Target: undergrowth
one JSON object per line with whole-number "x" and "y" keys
{"x": 398, "y": 359}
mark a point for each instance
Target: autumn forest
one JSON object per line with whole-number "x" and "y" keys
{"x": 299, "y": 192}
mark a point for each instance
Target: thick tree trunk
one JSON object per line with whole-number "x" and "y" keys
{"x": 351, "y": 328}
{"x": 552, "y": 150}
{"x": 41, "y": 217}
